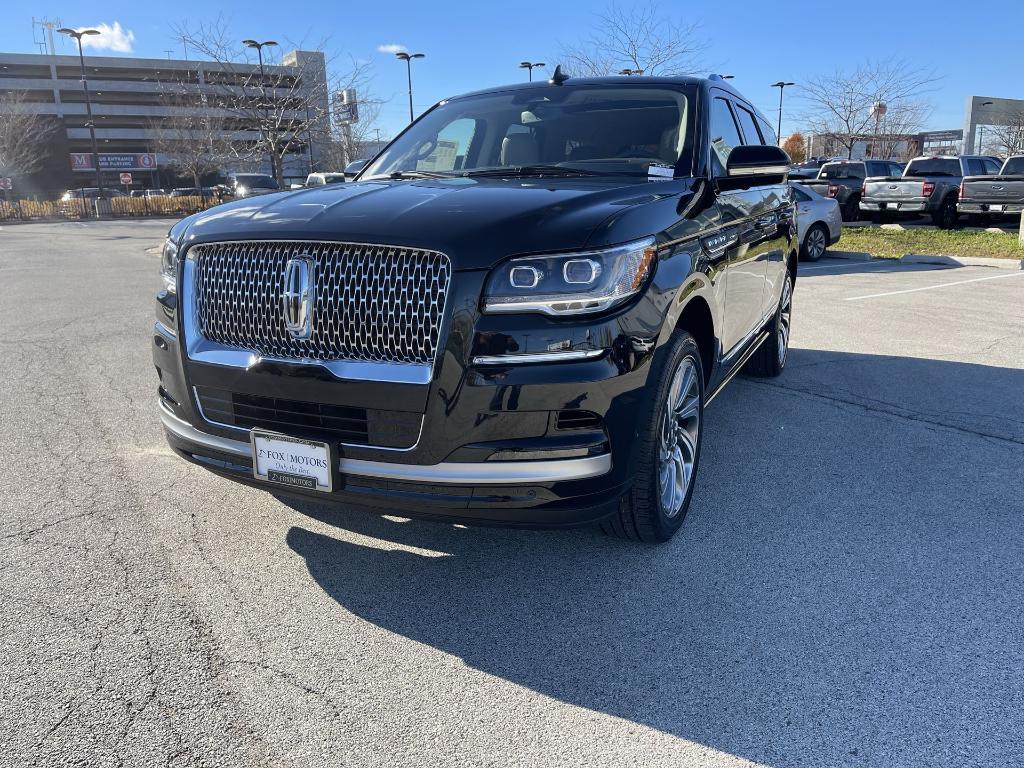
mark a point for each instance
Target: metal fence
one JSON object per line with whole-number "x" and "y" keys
{"x": 117, "y": 207}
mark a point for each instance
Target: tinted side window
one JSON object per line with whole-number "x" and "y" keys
{"x": 974, "y": 167}
{"x": 724, "y": 134}
{"x": 767, "y": 132}
{"x": 895, "y": 169}
{"x": 747, "y": 122}
{"x": 802, "y": 196}
{"x": 991, "y": 166}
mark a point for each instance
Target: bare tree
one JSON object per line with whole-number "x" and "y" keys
{"x": 23, "y": 135}
{"x": 1006, "y": 139}
{"x": 840, "y": 104}
{"x": 898, "y": 130}
{"x": 195, "y": 139}
{"x": 275, "y": 113}
{"x": 641, "y": 38}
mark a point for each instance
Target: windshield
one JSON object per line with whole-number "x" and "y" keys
{"x": 570, "y": 129}
{"x": 842, "y": 171}
{"x": 1013, "y": 167}
{"x": 935, "y": 166}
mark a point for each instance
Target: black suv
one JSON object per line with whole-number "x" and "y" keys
{"x": 515, "y": 314}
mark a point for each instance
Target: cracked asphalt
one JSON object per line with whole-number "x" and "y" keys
{"x": 847, "y": 589}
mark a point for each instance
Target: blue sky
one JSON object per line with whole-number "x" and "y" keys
{"x": 976, "y": 48}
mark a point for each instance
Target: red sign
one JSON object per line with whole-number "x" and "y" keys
{"x": 142, "y": 161}
{"x": 126, "y": 178}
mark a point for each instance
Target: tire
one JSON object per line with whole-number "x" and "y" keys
{"x": 851, "y": 210}
{"x": 770, "y": 358}
{"x": 946, "y": 217}
{"x": 667, "y": 459}
{"x": 815, "y": 242}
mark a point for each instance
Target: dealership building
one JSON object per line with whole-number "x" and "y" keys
{"x": 130, "y": 102}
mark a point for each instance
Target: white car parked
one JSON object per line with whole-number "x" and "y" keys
{"x": 819, "y": 223}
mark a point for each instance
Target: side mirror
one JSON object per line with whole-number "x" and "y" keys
{"x": 754, "y": 164}
{"x": 354, "y": 168}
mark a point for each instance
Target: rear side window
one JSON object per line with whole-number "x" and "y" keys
{"x": 802, "y": 196}
{"x": 1014, "y": 167}
{"x": 895, "y": 169}
{"x": 842, "y": 171}
{"x": 877, "y": 169}
{"x": 724, "y": 134}
{"x": 974, "y": 167}
{"x": 767, "y": 132}
{"x": 991, "y": 166}
{"x": 747, "y": 122}
{"x": 933, "y": 166}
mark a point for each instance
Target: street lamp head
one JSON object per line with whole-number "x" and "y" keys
{"x": 77, "y": 33}
{"x": 781, "y": 84}
{"x": 255, "y": 44}
{"x": 406, "y": 56}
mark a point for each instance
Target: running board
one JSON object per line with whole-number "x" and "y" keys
{"x": 739, "y": 365}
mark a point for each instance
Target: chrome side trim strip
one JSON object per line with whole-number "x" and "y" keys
{"x": 454, "y": 473}
{"x": 539, "y": 357}
{"x": 737, "y": 366}
{"x": 164, "y": 331}
{"x": 185, "y": 430}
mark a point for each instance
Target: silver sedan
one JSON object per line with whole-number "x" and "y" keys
{"x": 818, "y": 222}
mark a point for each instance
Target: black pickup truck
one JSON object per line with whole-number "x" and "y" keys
{"x": 929, "y": 185}
{"x": 516, "y": 313}
{"x": 991, "y": 196}
{"x": 843, "y": 180}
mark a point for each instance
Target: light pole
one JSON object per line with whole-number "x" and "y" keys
{"x": 981, "y": 130}
{"x": 529, "y": 65}
{"x": 77, "y": 35}
{"x": 407, "y": 58}
{"x": 266, "y": 109}
{"x": 630, "y": 72}
{"x": 781, "y": 85}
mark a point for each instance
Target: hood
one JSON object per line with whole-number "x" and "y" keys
{"x": 477, "y": 222}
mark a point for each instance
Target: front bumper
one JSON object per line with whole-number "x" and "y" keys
{"x": 508, "y": 492}
{"x": 490, "y": 448}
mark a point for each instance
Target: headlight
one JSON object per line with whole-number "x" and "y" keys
{"x": 169, "y": 265}
{"x": 571, "y": 283}
{"x": 240, "y": 191}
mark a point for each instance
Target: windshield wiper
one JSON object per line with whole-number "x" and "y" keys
{"x": 398, "y": 175}
{"x": 538, "y": 170}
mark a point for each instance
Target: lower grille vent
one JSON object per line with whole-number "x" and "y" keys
{"x": 577, "y": 420}
{"x": 346, "y": 424}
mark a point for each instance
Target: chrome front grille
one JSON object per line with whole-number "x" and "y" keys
{"x": 372, "y": 303}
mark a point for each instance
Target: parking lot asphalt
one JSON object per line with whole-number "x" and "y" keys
{"x": 847, "y": 589}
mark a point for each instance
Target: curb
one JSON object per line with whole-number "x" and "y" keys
{"x": 962, "y": 261}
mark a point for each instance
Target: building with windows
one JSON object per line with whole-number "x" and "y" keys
{"x": 134, "y": 100}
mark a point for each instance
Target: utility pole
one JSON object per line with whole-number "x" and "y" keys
{"x": 407, "y": 58}
{"x": 78, "y": 35}
{"x": 265, "y": 128}
{"x": 781, "y": 85}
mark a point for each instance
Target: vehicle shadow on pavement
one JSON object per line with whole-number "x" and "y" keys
{"x": 846, "y": 589}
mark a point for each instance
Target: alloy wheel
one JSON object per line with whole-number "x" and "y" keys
{"x": 815, "y": 243}
{"x": 680, "y": 431}
{"x": 785, "y": 317}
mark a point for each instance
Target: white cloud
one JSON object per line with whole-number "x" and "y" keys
{"x": 391, "y": 48}
{"x": 110, "y": 38}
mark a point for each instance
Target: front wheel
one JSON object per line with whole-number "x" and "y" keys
{"x": 668, "y": 449}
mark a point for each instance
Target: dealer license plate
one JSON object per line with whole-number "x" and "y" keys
{"x": 291, "y": 461}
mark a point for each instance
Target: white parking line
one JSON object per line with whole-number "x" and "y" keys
{"x": 940, "y": 285}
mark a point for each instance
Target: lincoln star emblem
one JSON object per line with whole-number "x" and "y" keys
{"x": 297, "y": 297}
